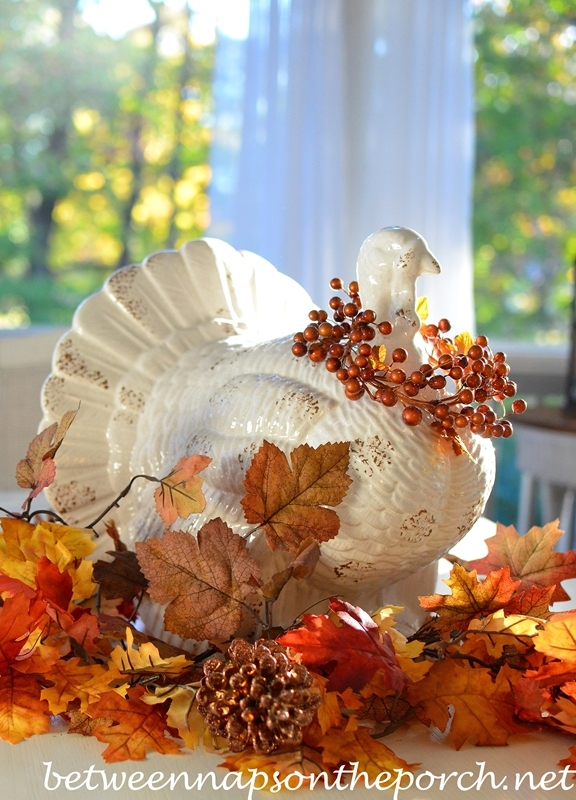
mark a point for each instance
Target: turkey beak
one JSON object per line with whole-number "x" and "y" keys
{"x": 429, "y": 265}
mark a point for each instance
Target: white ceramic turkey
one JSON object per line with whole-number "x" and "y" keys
{"x": 181, "y": 355}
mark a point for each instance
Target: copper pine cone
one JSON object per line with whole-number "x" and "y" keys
{"x": 259, "y": 698}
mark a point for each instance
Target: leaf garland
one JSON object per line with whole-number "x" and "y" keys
{"x": 491, "y": 660}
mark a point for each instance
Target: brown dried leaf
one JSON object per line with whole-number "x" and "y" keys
{"x": 84, "y": 725}
{"x": 289, "y": 501}
{"x": 113, "y": 533}
{"x": 205, "y": 581}
{"x": 121, "y": 577}
{"x": 180, "y": 492}
{"x": 37, "y": 470}
{"x": 302, "y": 566}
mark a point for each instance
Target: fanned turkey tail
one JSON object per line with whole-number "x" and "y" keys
{"x": 127, "y": 335}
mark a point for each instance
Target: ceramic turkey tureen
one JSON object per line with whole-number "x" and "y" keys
{"x": 191, "y": 353}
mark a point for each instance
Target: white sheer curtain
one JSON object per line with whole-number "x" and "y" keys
{"x": 337, "y": 117}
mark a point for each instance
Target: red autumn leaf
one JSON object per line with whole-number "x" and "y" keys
{"x": 55, "y": 586}
{"x": 204, "y": 581}
{"x": 82, "y": 626}
{"x": 137, "y": 729}
{"x": 531, "y": 558}
{"x": 470, "y": 597}
{"x": 15, "y": 623}
{"x": 351, "y": 653}
{"x": 180, "y": 492}
{"x": 289, "y": 500}
{"x": 37, "y": 470}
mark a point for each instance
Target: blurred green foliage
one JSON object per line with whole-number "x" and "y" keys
{"x": 103, "y": 151}
{"x": 525, "y": 189}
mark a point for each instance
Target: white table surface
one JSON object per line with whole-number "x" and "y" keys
{"x": 23, "y": 771}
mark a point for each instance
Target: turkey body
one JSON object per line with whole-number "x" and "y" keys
{"x": 170, "y": 359}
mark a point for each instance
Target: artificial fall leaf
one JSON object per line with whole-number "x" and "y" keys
{"x": 55, "y": 586}
{"x": 302, "y": 566}
{"x": 373, "y": 757}
{"x": 484, "y": 707}
{"x": 278, "y": 765}
{"x": 144, "y": 659}
{"x": 571, "y": 760}
{"x": 531, "y": 558}
{"x": 470, "y": 598}
{"x": 137, "y": 727}
{"x": 506, "y": 630}
{"x": 329, "y": 713}
{"x": 120, "y": 578}
{"x": 463, "y": 342}
{"x": 83, "y": 587}
{"x": 555, "y": 673}
{"x": 558, "y": 639}
{"x": 534, "y": 602}
{"x": 112, "y": 531}
{"x": 180, "y": 492}
{"x": 205, "y": 581}
{"x": 22, "y": 712}
{"x": 38, "y": 470}
{"x": 183, "y": 714}
{"x": 385, "y": 616}
{"x": 74, "y": 680}
{"x": 288, "y": 500}
{"x": 350, "y": 653}
{"x": 422, "y": 308}
{"x": 82, "y": 724}
{"x": 38, "y": 656}
{"x": 82, "y": 626}
{"x": 378, "y": 358}
{"x": 15, "y": 623}
{"x": 392, "y": 710}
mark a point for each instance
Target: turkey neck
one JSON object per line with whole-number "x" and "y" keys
{"x": 390, "y": 291}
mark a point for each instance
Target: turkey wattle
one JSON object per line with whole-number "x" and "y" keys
{"x": 174, "y": 357}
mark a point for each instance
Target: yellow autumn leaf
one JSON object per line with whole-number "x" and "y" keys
{"x": 463, "y": 342}
{"x": 378, "y": 358}
{"x": 145, "y": 658}
{"x": 74, "y": 680}
{"x": 422, "y": 308}
{"x": 59, "y": 543}
{"x": 183, "y": 714}
{"x": 385, "y": 617}
{"x": 83, "y": 586}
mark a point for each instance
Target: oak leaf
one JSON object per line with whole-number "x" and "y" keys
{"x": 470, "y": 598}
{"x": 531, "y": 558}
{"x": 144, "y": 659}
{"x": 351, "y": 653}
{"x": 75, "y": 680}
{"x": 373, "y": 757}
{"x": 180, "y": 492}
{"x": 137, "y": 727}
{"x": 483, "y": 707}
{"x": 120, "y": 578}
{"x": 204, "y": 581}
{"x": 38, "y": 469}
{"x": 288, "y": 500}
{"x": 22, "y": 712}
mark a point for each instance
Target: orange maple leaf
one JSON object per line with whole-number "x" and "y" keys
{"x": 288, "y": 500}
{"x": 531, "y": 558}
{"x": 74, "y": 680}
{"x": 351, "y": 653}
{"x": 534, "y": 602}
{"x": 205, "y": 581}
{"x": 180, "y": 492}
{"x": 373, "y": 757}
{"x": 470, "y": 598}
{"x": 482, "y": 708}
{"x": 558, "y": 639}
{"x": 22, "y": 712}
{"x": 137, "y": 727}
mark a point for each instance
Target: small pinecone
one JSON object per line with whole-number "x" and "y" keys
{"x": 259, "y": 698}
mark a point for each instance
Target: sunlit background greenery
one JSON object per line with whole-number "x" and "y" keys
{"x": 104, "y": 150}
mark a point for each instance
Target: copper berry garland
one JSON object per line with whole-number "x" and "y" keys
{"x": 473, "y": 373}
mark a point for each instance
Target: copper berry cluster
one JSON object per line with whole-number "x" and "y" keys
{"x": 259, "y": 698}
{"x": 467, "y": 373}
